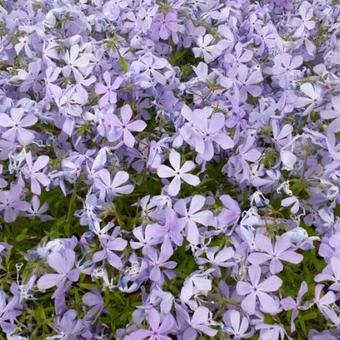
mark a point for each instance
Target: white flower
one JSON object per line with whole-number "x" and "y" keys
{"x": 179, "y": 173}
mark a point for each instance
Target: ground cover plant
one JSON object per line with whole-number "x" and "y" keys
{"x": 169, "y": 169}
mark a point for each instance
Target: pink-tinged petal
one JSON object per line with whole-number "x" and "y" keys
{"x": 25, "y": 136}
{"x": 10, "y": 135}
{"x": 154, "y": 319}
{"x": 187, "y": 167}
{"x": 10, "y": 215}
{"x": 275, "y": 266}
{"x": 254, "y": 78}
{"x": 103, "y": 101}
{"x": 117, "y": 244}
{"x": 140, "y": 334}
{"x": 125, "y": 189}
{"x": 48, "y": 281}
{"x": 258, "y": 258}
{"x": 272, "y": 284}
{"x": 174, "y": 186}
{"x": 117, "y": 82}
{"x": 191, "y": 179}
{"x": 138, "y": 125}
{"x": 225, "y": 254}
{"x": 164, "y": 32}
{"x": 73, "y": 275}
{"x": 112, "y": 97}
{"x": 263, "y": 243}
{"x": 288, "y": 159}
{"x": 155, "y": 274}
{"x": 99, "y": 256}
{"x": 248, "y": 304}
{"x": 208, "y": 152}
{"x": 62, "y": 263}
{"x": 308, "y": 89}
{"x": 105, "y": 177}
{"x": 197, "y": 203}
{"x": 164, "y": 171}
{"x": 167, "y": 324}
{"x": 282, "y": 244}
{"x": 126, "y": 113}
{"x": 252, "y": 155}
{"x": 192, "y": 233}
{"x": 128, "y": 138}
{"x": 100, "y": 88}
{"x": 42, "y": 178}
{"x": 235, "y": 318}
{"x": 327, "y": 299}
{"x": 17, "y": 114}
{"x": 114, "y": 260}
{"x": 175, "y": 160}
{"x": 201, "y": 316}
{"x": 254, "y": 273}
{"x": 120, "y": 178}
{"x": 28, "y": 120}
{"x": 107, "y": 78}
{"x": 288, "y": 303}
{"x": 224, "y": 141}
{"x": 204, "y": 217}
{"x": 291, "y": 256}
{"x": 40, "y": 163}
{"x": 35, "y": 187}
{"x": 5, "y": 120}
{"x": 243, "y": 288}
{"x": 180, "y": 207}
{"x": 268, "y": 304}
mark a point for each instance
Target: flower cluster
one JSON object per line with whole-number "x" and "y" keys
{"x": 170, "y": 169}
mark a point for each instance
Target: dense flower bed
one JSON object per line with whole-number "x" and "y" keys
{"x": 169, "y": 170}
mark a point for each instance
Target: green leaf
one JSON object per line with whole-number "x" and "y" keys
{"x": 123, "y": 64}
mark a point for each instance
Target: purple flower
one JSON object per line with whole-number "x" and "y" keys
{"x": 236, "y": 325}
{"x": 218, "y": 258}
{"x": 11, "y": 204}
{"x": 313, "y": 97}
{"x": 289, "y": 303}
{"x": 165, "y": 26}
{"x": 10, "y": 309}
{"x": 280, "y": 252}
{"x": 208, "y": 51}
{"x": 110, "y": 246}
{"x": 108, "y": 90}
{"x": 246, "y": 81}
{"x": 15, "y": 125}
{"x": 193, "y": 216}
{"x": 75, "y": 61}
{"x": 160, "y": 327}
{"x": 32, "y": 171}
{"x": 200, "y": 322}
{"x": 149, "y": 67}
{"x": 170, "y": 228}
{"x": 231, "y": 212}
{"x": 63, "y": 265}
{"x": 258, "y": 290}
{"x": 331, "y": 273}
{"x": 158, "y": 261}
{"x": 110, "y": 187}
{"x": 323, "y": 302}
{"x": 95, "y": 301}
{"x": 144, "y": 237}
{"x": 70, "y": 327}
{"x": 116, "y": 129}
